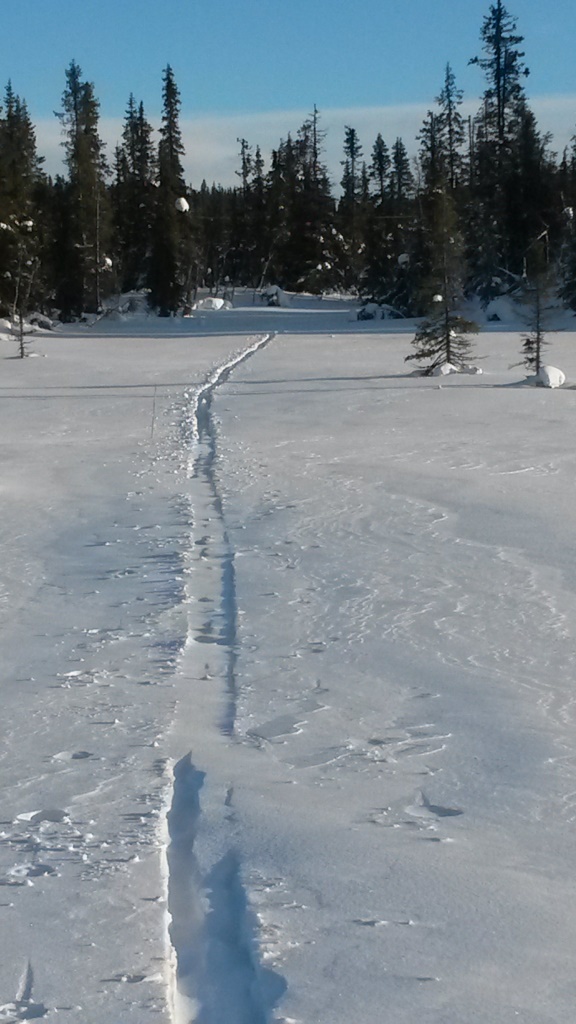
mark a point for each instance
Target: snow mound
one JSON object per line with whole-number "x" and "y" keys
{"x": 275, "y": 296}
{"x": 211, "y": 302}
{"x": 502, "y": 309}
{"x": 443, "y": 369}
{"x": 378, "y": 311}
{"x": 550, "y": 377}
{"x": 39, "y": 320}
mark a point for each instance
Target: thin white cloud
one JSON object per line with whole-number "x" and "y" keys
{"x": 212, "y": 148}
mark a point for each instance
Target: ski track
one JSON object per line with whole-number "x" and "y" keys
{"x": 216, "y": 974}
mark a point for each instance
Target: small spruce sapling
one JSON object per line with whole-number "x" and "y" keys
{"x": 538, "y": 285}
{"x": 442, "y": 338}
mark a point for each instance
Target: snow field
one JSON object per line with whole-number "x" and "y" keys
{"x": 287, "y": 683}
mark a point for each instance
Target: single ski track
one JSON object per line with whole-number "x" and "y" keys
{"x": 216, "y": 977}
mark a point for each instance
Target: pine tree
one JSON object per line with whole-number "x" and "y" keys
{"x": 538, "y": 285}
{"x": 401, "y": 177}
{"x": 350, "y": 208}
{"x": 510, "y": 184}
{"x": 79, "y": 287}
{"x": 433, "y": 158}
{"x": 133, "y": 197}
{"x": 21, "y": 226}
{"x": 169, "y": 272}
{"x": 379, "y": 170}
{"x": 300, "y": 213}
{"x": 503, "y": 68}
{"x": 443, "y": 335}
{"x": 451, "y": 126}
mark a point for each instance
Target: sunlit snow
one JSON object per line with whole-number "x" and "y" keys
{"x": 289, "y": 729}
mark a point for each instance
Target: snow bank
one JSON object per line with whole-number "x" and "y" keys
{"x": 503, "y": 308}
{"x": 275, "y": 296}
{"x": 211, "y": 302}
{"x": 378, "y": 311}
{"x": 443, "y": 369}
{"x": 550, "y": 377}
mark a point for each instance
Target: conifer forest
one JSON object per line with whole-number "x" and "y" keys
{"x": 484, "y": 205}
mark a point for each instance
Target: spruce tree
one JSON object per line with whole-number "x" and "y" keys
{"x": 443, "y": 336}
{"x": 504, "y": 68}
{"x": 451, "y": 126}
{"x": 379, "y": 170}
{"x": 133, "y": 197}
{"x": 169, "y": 269}
{"x": 83, "y": 249}
{"x": 22, "y": 228}
{"x": 350, "y": 207}
{"x": 538, "y": 286}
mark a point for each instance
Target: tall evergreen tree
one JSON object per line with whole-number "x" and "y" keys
{"x": 379, "y": 170}
{"x": 82, "y": 250}
{"x": 133, "y": 196}
{"x": 451, "y": 125}
{"x": 504, "y": 68}
{"x": 349, "y": 207}
{"x": 169, "y": 272}
{"x": 21, "y": 226}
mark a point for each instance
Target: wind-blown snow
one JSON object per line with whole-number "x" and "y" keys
{"x": 288, "y": 658}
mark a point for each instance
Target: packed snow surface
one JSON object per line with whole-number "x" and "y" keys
{"x": 289, "y": 726}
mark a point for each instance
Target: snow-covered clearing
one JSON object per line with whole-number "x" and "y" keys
{"x": 287, "y": 677}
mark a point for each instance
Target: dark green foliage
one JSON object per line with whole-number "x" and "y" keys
{"x": 84, "y": 240}
{"x": 21, "y": 235}
{"x": 452, "y": 128}
{"x": 169, "y": 271}
{"x": 443, "y": 335}
{"x": 539, "y": 285}
{"x": 443, "y": 338}
{"x": 133, "y": 198}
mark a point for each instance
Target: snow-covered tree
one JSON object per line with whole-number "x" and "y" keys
{"x": 443, "y": 337}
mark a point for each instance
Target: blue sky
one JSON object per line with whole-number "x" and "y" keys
{"x": 249, "y": 66}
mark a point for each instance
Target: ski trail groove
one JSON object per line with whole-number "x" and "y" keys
{"x": 216, "y": 977}
{"x": 201, "y": 465}
{"x": 184, "y": 888}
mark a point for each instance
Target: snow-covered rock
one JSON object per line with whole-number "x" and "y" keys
{"x": 550, "y": 377}
{"x": 443, "y": 369}
{"x": 370, "y": 311}
{"x": 212, "y": 302}
{"x": 39, "y": 320}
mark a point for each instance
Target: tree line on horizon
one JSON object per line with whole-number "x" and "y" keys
{"x": 483, "y": 208}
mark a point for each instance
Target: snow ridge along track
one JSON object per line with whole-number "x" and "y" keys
{"x": 215, "y": 976}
